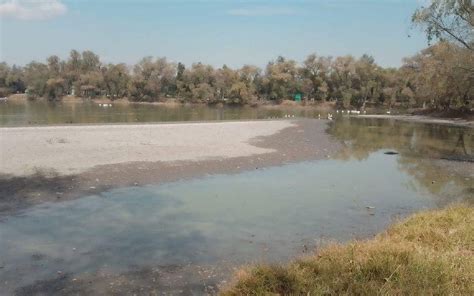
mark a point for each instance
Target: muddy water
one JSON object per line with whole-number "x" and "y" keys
{"x": 223, "y": 221}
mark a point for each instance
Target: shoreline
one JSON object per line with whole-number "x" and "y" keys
{"x": 302, "y": 140}
{"x": 288, "y": 142}
{"x": 400, "y": 260}
{"x": 327, "y": 106}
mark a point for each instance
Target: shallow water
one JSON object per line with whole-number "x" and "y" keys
{"x": 211, "y": 219}
{"x": 264, "y": 215}
{"x": 270, "y": 214}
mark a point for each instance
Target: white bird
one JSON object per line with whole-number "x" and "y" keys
{"x": 365, "y": 112}
{"x": 337, "y": 111}
{"x": 388, "y": 112}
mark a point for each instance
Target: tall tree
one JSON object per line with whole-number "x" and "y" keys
{"x": 116, "y": 79}
{"x": 448, "y": 20}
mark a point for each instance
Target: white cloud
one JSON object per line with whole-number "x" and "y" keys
{"x": 262, "y": 11}
{"x": 32, "y": 9}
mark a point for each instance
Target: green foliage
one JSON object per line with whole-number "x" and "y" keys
{"x": 151, "y": 79}
{"x": 55, "y": 88}
{"x": 441, "y": 76}
{"x": 116, "y": 80}
{"x": 448, "y": 20}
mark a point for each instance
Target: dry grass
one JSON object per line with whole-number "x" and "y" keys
{"x": 431, "y": 253}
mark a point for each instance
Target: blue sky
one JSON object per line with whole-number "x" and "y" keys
{"x": 210, "y": 31}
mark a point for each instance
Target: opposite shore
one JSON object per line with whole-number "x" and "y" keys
{"x": 452, "y": 117}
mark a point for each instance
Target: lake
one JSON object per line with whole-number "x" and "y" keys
{"x": 20, "y": 113}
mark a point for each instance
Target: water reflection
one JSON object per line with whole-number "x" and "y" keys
{"x": 270, "y": 214}
{"x": 15, "y": 113}
{"x": 440, "y": 157}
{"x": 240, "y": 218}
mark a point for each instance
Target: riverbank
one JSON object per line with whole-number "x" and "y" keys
{"x": 463, "y": 117}
{"x": 59, "y": 163}
{"x": 286, "y": 105}
{"x": 429, "y": 253}
{"x": 175, "y": 102}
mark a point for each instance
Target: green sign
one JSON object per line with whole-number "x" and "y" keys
{"x": 298, "y": 97}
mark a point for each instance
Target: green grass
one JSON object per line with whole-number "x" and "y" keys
{"x": 430, "y": 253}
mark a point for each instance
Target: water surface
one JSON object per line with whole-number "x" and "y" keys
{"x": 20, "y": 113}
{"x": 269, "y": 215}
{"x": 266, "y": 215}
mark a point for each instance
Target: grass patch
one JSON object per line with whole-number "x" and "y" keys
{"x": 430, "y": 253}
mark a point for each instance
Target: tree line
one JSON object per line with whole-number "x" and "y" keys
{"x": 440, "y": 76}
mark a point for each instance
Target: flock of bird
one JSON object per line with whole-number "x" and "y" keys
{"x": 349, "y": 112}
{"x": 329, "y": 116}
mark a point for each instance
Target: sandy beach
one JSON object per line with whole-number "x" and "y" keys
{"x": 75, "y": 149}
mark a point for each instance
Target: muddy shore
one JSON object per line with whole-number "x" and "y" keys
{"x": 256, "y": 145}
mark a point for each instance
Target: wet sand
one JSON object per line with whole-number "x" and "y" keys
{"x": 43, "y": 164}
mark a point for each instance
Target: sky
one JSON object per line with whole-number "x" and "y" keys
{"x": 215, "y": 32}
